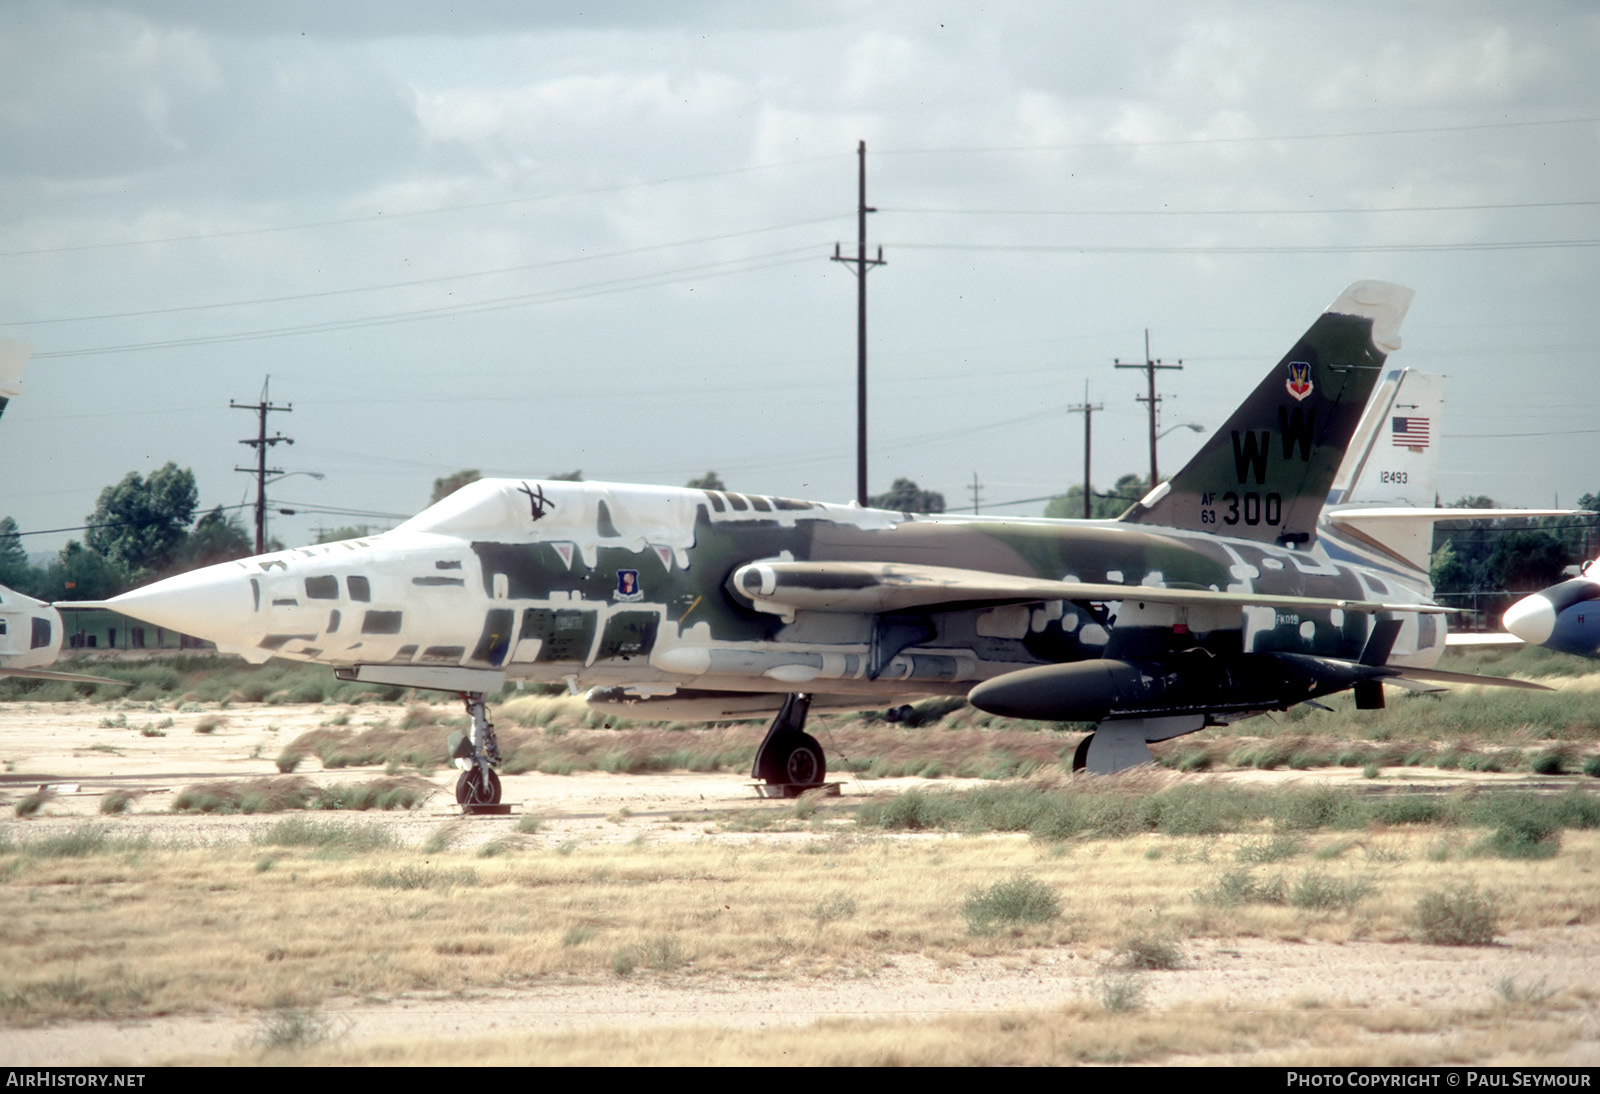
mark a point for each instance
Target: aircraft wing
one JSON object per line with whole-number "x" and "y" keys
{"x": 51, "y": 674}
{"x": 891, "y": 586}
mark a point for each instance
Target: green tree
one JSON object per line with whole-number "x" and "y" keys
{"x": 13, "y": 558}
{"x": 906, "y": 497}
{"x": 443, "y": 488}
{"x": 349, "y": 531}
{"x": 139, "y": 524}
{"x": 82, "y": 574}
{"x": 565, "y": 476}
{"x": 1102, "y": 506}
{"x": 216, "y": 538}
{"x": 709, "y": 481}
{"x": 16, "y": 572}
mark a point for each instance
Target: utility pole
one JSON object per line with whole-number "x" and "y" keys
{"x": 974, "y": 489}
{"x": 1087, "y": 409}
{"x": 862, "y": 265}
{"x": 261, "y": 442}
{"x": 1152, "y": 400}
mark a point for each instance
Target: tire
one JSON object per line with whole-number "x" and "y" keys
{"x": 804, "y": 765}
{"x": 480, "y": 786}
{"x": 1080, "y": 758}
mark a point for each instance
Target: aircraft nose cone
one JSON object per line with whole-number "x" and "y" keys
{"x": 198, "y": 603}
{"x": 1532, "y": 619}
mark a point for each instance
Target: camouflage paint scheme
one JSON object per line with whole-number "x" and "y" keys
{"x": 1212, "y": 598}
{"x": 523, "y": 577}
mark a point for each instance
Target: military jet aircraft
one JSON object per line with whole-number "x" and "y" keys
{"x": 1564, "y": 617}
{"x": 1212, "y": 599}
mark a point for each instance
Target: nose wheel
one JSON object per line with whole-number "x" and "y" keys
{"x": 789, "y": 758}
{"x": 480, "y": 786}
{"x": 476, "y": 754}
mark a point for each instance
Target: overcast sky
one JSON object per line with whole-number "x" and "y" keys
{"x": 529, "y": 239}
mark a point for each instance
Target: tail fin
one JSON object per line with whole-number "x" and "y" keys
{"x": 13, "y": 355}
{"x": 1394, "y": 457}
{"x": 1384, "y": 493}
{"x": 1265, "y": 474}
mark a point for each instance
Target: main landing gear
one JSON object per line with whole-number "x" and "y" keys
{"x": 476, "y": 755}
{"x": 1125, "y": 742}
{"x": 789, "y": 758}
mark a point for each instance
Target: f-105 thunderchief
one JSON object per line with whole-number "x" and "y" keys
{"x": 1222, "y": 594}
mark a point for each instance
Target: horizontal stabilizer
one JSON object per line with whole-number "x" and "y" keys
{"x": 1470, "y": 639}
{"x": 783, "y": 587}
{"x": 1440, "y": 676}
{"x": 1408, "y": 532}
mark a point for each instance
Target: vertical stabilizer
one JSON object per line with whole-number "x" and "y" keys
{"x": 13, "y": 355}
{"x": 1394, "y": 458}
{"x": 1266, "y": 473}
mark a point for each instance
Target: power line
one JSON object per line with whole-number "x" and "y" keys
{"x": 1273, "y": 249}
{"x": 550, "y": 296}
{"x": 442, "y": 279}
{"x": 1266, "y": 139}
{"x": 382, "y": 217}
{"x": 1480, "y": 207}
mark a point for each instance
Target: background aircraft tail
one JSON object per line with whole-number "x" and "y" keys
{"x": 1266, "y": 473}
{"x": 13, "y": 355}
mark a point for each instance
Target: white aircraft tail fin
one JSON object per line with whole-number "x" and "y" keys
{"x": 1387, "y": 488}
{"x": 1394, "y": 457}
{"x": 13, "y": 355}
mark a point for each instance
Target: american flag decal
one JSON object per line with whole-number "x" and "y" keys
{"x": 1410, "y": 432}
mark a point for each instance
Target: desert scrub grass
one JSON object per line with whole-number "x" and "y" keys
{"x": 1148, "y": 952}
{"x": 1241, "y": 886}
{"x": 294, "y": 1030}
{"x": 117, "y": 802}
{"x": 199, "y": 924}
{"x": 1317, "y": 891}
{"x": 1458, "y": 916}
{"x": 832, "y": 908}
{"x": 1260, "y": 852}
{"x": 413, "y": 876}
{"x": 291, "y": 792}
{"x": 345, "y": 837}
{"x": 30, "y": 804}
{"x": 1120, "y": 992}
{"x": 1016, "y": 901}
{"x": 81, "y": 841}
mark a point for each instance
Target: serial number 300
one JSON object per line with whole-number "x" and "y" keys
{"x": 1252, "y": 508}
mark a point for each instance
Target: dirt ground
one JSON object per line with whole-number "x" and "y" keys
{"x": 66, "y": 746}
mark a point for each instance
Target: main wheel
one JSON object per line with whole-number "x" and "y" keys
{"x": 803, "y": 765}
{"x": 479, "y": 786}
{"x": 1080, "y": 758}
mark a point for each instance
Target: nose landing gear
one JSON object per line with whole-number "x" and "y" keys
{"x": 478, "y": 785}
{"x": 790, "y": 761}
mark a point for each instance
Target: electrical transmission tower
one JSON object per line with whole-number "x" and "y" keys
{"x": 862, "y": 265}
{"x": 1087, "y": 409}
{"x": 1152, "y": 400}
{"x": 261, "y": 442}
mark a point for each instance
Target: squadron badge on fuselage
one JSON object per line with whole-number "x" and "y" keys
{"x": 628, "y": 586}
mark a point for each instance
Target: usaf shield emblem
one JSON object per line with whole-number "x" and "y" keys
{"x": 1299, "y": 382}
{"x": 628, "y": 586}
